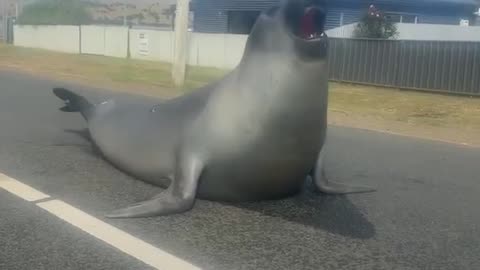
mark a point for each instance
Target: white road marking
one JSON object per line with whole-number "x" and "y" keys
{"x": 115, "y": 237}
{"x": 20, "y": 189}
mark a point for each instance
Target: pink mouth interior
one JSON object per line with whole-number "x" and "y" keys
{"x": 307, "y": 25}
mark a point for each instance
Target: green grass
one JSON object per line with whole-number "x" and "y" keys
{"x": 105, "y": 69}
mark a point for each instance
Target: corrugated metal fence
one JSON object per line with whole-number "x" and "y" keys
{"x": 448, "y": 66}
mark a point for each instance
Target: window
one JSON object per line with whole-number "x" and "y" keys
{"x": 401, "y": 18}
{"x": 241, "y": 22}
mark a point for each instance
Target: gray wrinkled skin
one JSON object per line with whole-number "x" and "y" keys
{"x": 256, "y": 134}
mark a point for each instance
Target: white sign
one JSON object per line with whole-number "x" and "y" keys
{"x": 464, "y": 22}
{"x": 143, "y": 47}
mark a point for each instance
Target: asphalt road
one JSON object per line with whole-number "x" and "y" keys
{"x": 425, "y": 214}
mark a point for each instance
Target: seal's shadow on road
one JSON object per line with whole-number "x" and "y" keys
{"x": 335, "y": 214}
{"x": 85, "y": 134}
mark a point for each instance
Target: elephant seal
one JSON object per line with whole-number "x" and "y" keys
{"x": 256, "y": 134}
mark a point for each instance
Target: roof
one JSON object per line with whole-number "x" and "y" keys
{"x": 454, "y": 6}
{"x": 459, "y": 2}
{"x": 435, "y": 4}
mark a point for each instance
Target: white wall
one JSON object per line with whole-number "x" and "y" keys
{"x": 438, "y": 32}
{"x": 210, "y": 50}
{"x": 116, "y": 41}
{"x": 216, "y": 50}
{"x": 235, "y": 47}
{"x": 345, "y": 31}
{"x": 409, "y": 31}
{"x": 93, "y": 39}
{"x": 151, "y": 45}
{"x": 104, "y": 40}
{"x": 62, "y": 38}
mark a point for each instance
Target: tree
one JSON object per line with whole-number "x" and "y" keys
{"x": 375, "y": 25}
{"x": 48, "y": 12}
{"x": 141, "y": 17}
{"x": 155, "y": 15}
{"x": 170, "y": 11}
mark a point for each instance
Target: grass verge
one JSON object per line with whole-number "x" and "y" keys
{"x": 126, "y": 73}
{"x": 435, "y": 116}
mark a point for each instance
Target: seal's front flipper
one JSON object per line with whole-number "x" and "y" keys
{"x": 323, "y": 184}
{"x": 177, "y": 198}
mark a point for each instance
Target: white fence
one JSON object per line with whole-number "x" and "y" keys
{"x": 116, "y": 41}
{"x": 62, "y": 38}
{"x": 209, "y": 50}
{"x": 3, "y": 30}
{"x": 151, "y": 45}
{"x": 410, "y": 31}
{"x": 104, "y": 40}
{"x": 93, "y": 40}
{"x": 438, "y": 32}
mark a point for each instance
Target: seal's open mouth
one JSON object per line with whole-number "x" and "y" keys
{"x": 311, "y": 24}
{"x": 306, "y": 22}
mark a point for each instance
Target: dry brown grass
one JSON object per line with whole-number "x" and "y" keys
{"x": 415, "y": 108}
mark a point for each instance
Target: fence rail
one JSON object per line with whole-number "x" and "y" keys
{"x": 448, "y": 66}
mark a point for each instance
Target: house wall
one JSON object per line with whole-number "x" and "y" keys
{"x": 211, "y": 16}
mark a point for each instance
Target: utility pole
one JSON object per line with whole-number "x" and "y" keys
{"x": 180, "y": 52}
{"x": 124, "y": 13}
{"x": 3, "y": 23}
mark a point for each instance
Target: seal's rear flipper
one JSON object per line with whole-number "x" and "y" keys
{"x": 73, "y": 102}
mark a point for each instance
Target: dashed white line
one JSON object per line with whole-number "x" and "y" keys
{"x": 115, "y": 237}
{"x": 20, "y": 189}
